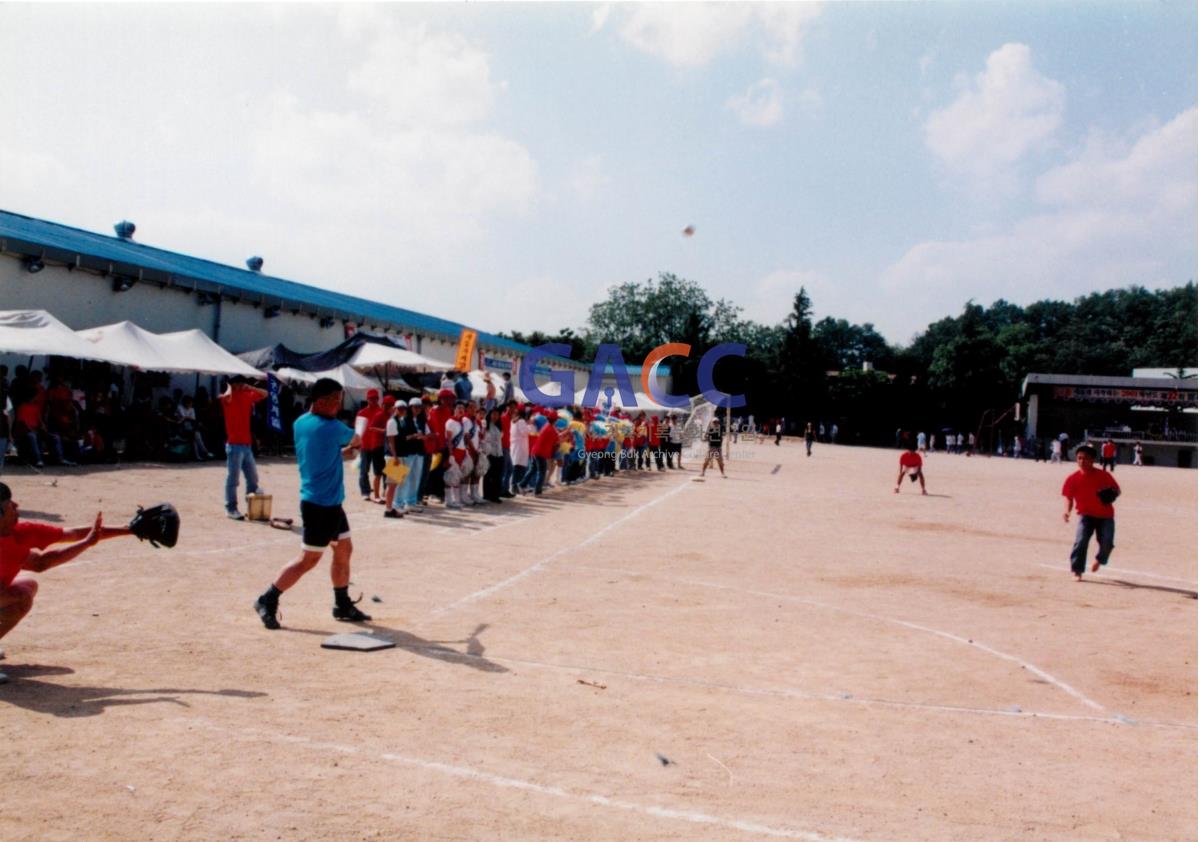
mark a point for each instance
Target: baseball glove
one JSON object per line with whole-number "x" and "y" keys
{"x": 1107, "y": 495}
{"x": 157, "y": 524}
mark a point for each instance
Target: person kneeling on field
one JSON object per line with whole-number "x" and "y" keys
{"x": 26, "y": 545}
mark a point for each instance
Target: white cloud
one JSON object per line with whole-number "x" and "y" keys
{"x": 1114, "y": 216}
{"x": 784, "y": 27}
{"x": 599, "y": 18}
{"x": 590, "y": 178}
{"x": 1157, "y": 173}
{"x": 761, "y": 104}
{"x": 692, "y": 34}
{"x": 536, "y": 303}
{"x": 771, "y": 298}
{"x": 424, "y": 78}
{"x": 1007, "y": 112}
{"x": 438, "y": 182}
{"x": 26, "y": 172}
{"x": 811, "y": 100}
{"x": 684, "y": 34}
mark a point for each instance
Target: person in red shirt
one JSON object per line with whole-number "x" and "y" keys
{"x": 437, "y": 416}
{"x": 237, "y": 402}
{"x": 24, "y": 546}
{"x": 31, "y": 427}
{"x": 1092, "y": 493}
{"x": 506, "y": 421}
{"x": 655, "y": 442}
{"x": 1108, "y": 455}
{"x": 542, "y": 450}
{"x": 911, "y": 464}
{"x": 372, "y": 441}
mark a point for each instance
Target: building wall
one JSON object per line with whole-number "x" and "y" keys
{"x": 82, "y": 300}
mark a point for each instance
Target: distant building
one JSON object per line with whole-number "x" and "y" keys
{"x": 1160, "y": 412}
{"x": 86, "y": 279}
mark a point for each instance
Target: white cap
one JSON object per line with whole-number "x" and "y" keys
{"x": 414, "y": 401}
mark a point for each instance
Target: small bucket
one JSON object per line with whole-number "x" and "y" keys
{"x": 258, "y": 506}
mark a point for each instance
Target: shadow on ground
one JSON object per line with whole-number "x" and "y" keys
{"x": 70, "y": 701}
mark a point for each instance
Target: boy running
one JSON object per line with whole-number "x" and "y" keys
{"x": 322, "y": 441}
{"x": 1092, "y": 492}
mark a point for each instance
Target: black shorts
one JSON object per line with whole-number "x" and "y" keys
{"x": 377, "y": 459}
{"x": 322, "y": 525}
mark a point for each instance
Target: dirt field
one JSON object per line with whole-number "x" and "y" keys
{"x": 794, "y": 653}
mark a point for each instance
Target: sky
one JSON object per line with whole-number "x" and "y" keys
{"x": 504, "y": 164}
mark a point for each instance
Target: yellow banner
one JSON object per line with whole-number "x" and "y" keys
{"x": 466, "y": 350}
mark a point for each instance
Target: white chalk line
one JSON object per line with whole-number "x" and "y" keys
{"x": 1123, "y": 571}
{"x": 504, "y": 782}
{"x": 1045, "y": 676}
{"x": 790, "y": 693}
{"x": 543, "y": 562}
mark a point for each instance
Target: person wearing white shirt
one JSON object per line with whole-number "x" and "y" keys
{"x": 519, "y": 447}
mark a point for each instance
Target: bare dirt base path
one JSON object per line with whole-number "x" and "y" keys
{"x": 791, "y": 652}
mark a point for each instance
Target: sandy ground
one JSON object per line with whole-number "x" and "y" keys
{"x": 792, "y": 652}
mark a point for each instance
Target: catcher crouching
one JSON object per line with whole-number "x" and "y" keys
{"x": 32, "y": 546}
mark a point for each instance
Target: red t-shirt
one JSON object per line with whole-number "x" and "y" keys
{"x": 1082, "y": 487}
{"x": 653, "y": 427}
{"x": 60, "y": 400}
{"x": 438, "y": 416}
{"x": 545, "y": 442}
{"x": 26, "y": 536}
{"x": 237, "y": 414}
{"x": 910, "y": 459}
{"x": 367, "y": 412}
{"x": 377, "y": 428}
{"x": 1108, "y": 450}
{"x": 506, "y": 431}
{"x": 30, "y": 412}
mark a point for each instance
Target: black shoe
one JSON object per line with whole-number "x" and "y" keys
{"x": 266, "y": 613}
{"x": 392, "y": 513}
{"x": 349, "y": 614}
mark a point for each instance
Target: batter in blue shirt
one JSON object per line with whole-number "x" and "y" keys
{"x": 322, "y": 442}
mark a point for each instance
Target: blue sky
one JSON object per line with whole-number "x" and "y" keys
{"x": 504, "y": 164}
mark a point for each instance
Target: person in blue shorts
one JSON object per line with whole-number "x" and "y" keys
{"x": 322, "y": 442}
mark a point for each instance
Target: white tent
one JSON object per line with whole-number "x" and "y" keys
{"x": 642, "y": 402}
{"x": 354, "y": 383}
{"x": 194, "y": 345}
{"x": 183, "y": 351}
{"x": 37, "y": 333}
{"x": 371, "y": 356}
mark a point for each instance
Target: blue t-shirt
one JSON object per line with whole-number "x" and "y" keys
{"x": 319, "y": 443}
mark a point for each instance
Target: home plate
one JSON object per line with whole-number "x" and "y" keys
{"x": 357, "y": 641}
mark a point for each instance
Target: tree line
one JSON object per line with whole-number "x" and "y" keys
{"x": 949, "y": 375}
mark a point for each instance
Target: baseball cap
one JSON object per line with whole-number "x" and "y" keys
{"x": 446, "y": 393}
{"x": 389, "y": 400}
{"x": 414, "y": 402}
{"x": 372, "y": 394}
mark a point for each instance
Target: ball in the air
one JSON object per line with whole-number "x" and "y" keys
{"x": 689, "y": 231}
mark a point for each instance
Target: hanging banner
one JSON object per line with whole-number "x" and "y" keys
{"x": 274, "y": 417}
{"x": 466, "y": 350}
